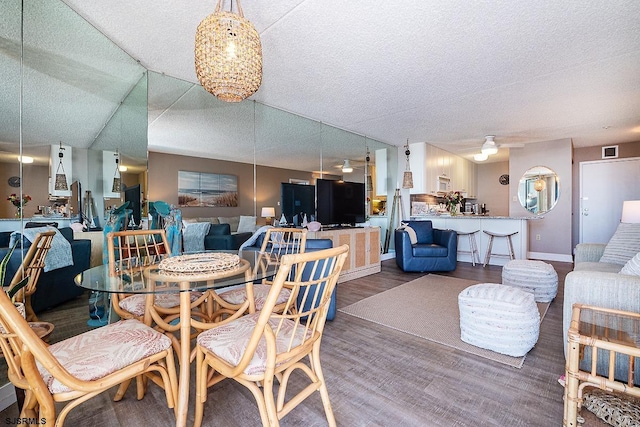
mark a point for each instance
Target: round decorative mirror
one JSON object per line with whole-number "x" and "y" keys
{"x": 538, "y": 190}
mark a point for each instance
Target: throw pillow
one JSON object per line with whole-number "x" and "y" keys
{"x": 233, "y": 222}
{"x": 413, "y": 238}
{"x": 624, "y": 244}
{"x": 247, "y": 224}
{"x": 632, "y": 267}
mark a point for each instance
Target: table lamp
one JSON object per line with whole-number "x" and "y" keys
{"x": 268, "y": 213}
{"x": 631, "y": 211}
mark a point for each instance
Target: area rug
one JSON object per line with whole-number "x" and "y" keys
{"x": 427, "y": 307}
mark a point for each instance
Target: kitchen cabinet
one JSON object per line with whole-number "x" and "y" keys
{"x": 436, "y": 170}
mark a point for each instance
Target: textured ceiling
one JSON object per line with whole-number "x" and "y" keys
{"x": 443, "y": 72}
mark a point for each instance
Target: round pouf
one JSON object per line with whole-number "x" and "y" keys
{"x": 536, "y": 277}
{"x": 500, "y": 318}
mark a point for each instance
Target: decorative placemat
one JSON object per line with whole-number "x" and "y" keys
{"x": 613, "y": 408}
{"x": 199, "y": 263}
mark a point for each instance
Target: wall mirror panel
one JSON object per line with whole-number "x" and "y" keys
{"x": 538, "y": 190}
{"x": 79, "y": 89}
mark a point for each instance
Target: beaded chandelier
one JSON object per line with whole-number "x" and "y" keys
{"x": 228, "y": 55}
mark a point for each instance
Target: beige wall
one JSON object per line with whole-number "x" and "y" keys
{"x": 163, "y": 183}
{"x": 490, "y": 191}
{"x": 555, "y": 226}
{"x": 34, "y": 183}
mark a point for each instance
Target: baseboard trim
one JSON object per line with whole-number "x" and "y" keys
{"x": 7, "y": 396}
{"x": 544, "y": 256}
{"x": 388, "y": 255}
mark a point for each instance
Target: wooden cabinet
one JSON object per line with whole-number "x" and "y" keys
{"x": 364, "y": 249}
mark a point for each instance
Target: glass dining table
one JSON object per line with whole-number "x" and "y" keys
{"x": 182, "y": 274}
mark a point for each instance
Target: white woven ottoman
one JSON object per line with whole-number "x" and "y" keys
{"x": 500, "y": 318}
{"x": 536, "y": 277}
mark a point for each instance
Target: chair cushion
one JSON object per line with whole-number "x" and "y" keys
{"x": 624, "y": 244}
{"x": 102, "y": 351}
{"x": 260, "y": 292}
{"x": 228, "y": 342}
{"x": 135, "y": 304}
{"x": 429, "y": 250}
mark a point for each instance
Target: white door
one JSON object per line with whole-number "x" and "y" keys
{"x": 604, "y": 185}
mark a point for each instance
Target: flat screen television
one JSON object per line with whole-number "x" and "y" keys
{"x": 133, "y": 196}
{"x": 296, "y": 201}
{"x": 340, "y": 202}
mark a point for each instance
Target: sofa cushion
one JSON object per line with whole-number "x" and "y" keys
{"x": 624, "y": 244}
{"x": 246, "y": 224}
{"x": 219, "y": 229}
{"x": 632, "y": 267}
{"x": 233, "y": 222}
{"x": 424, "y": 231}
{"x": 604, "y": 267}
{"x": 212, "y": 220}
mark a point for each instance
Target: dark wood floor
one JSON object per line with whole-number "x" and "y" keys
{"x": 381, "y": 377}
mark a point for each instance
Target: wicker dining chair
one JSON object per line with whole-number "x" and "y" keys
{"x": 31, "y": 267}
{"x": 261, "y": 347}
{"x": 79, "y": 368}
{"x": 277, "y": 243}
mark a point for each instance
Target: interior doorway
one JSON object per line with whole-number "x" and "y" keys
{"x": 604, "y": 185}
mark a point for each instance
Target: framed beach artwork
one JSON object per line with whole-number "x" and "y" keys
{"x": 207, "y": 189}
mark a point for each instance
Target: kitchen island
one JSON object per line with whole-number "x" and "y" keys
{"x": 496, "y": 224}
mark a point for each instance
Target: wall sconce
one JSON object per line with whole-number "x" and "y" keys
{"x": 407, "y": 178}
{"x": 268, "y": 213}
{"x": 117, "y": 182}
{"x": 61, "y": 178}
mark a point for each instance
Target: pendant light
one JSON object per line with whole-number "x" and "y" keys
{"x": 369, "y": 179}
{"x": 539, "y": 184}
{"x": 117, "y": 182}
{"x": 407, "y": 178}
{"x": 61, "y": 177}
{"x": 228, "y": 55}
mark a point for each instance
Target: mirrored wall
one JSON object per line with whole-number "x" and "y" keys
{"x": 65, "y": 84}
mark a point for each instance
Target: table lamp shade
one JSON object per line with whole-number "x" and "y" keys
{"x": 268, "y": 212}
{"x": 631, "y": 211}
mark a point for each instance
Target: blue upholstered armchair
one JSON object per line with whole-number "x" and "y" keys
{"x": 432, "y": 249}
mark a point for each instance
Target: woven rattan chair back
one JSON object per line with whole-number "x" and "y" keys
{"x": 274, "y": 344}
{"x": 31, "y": 267}
{"x": 279, "y": 242}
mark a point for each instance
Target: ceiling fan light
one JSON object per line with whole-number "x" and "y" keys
{"x": 346, "y": 167}
{"x": 480, "y": 157}
{"x": 489, "y": 147}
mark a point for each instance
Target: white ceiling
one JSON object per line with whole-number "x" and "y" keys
{"x": 443, "y": 72}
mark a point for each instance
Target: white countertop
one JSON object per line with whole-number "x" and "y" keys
{"x": 427, "y": 217}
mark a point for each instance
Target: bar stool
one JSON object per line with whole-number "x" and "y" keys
{"x": 489, "y": 254}
{"x": 473, "y": 246}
